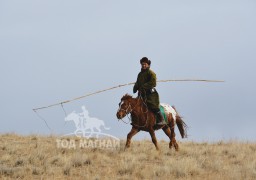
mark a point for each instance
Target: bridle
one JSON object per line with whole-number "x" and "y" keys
{"x": 127, "y": 111}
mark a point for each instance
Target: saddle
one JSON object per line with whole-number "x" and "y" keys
{"x": 163, "y": 113}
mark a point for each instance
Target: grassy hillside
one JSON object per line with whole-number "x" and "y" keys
{"x": 37, "y": 157}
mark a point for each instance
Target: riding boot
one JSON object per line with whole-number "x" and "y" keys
{"x": 160, "y": 118}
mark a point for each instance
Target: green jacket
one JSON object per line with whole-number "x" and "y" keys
{"x": 146, "y": 81}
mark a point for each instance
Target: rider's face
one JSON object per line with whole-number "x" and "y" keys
{"x": 144, "y": 65}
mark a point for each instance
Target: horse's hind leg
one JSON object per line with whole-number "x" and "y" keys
{"x": 176, "y": 146}
{"x": 173, "y": 140}
{"x": 130, "y": 135}
{"x": 167, "y": 131}
{"x": 171, "y": 134}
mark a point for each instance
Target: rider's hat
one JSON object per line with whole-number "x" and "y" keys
{"x": 145, "y": 60}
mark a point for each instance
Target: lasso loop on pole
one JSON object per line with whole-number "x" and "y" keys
{"x": 64, "y": 110}
{"x": 40, "y": 117}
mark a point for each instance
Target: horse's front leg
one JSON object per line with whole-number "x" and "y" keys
{"x": 153, "y": 137}
{"x": 130, "y": 135}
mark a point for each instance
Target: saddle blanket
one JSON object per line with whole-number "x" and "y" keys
{"x": 166, "y": 109}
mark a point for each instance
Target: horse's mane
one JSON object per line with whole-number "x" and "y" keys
{"x": 126, "y": 97}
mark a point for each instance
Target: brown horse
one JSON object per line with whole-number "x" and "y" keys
{"x": 143, "y": 119}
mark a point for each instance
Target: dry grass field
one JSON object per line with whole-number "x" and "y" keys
{"x": 39, "y": 157}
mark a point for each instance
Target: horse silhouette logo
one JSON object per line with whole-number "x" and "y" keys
{"x": 85, "y": 125}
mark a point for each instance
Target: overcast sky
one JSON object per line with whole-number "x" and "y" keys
{"x": 54, "y": 50}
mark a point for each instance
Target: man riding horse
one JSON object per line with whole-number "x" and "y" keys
{"x": 145, "y": 85}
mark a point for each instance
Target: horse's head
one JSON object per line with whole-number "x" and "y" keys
{"x": 71, "y": 116}
{"x": 124, "y": 106}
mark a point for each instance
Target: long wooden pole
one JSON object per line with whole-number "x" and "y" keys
{"x": 127, "y": 84}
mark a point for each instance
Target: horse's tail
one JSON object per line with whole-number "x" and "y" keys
{"x": 182, "y": 126}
